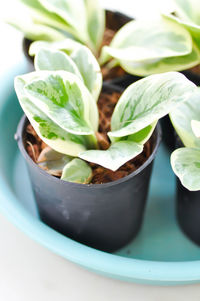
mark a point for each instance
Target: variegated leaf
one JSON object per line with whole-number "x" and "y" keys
{"x": 185, "y": 162}
{"x": 114, "y": 157}
{"x": 182, "y": 116}
{"x": 77, "y": 171}
{"x": 147, "y": 100}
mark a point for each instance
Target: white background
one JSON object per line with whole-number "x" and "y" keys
{"x": 28, "y": 271}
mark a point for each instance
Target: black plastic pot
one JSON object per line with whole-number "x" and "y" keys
{"x": 194, "y": 77}
{"x": 114, "y": 21}
{"x": 167, "y": 133}
{"x": 188, "y": 208}
{"x": 103, "y": 216}
{"x": 188, "y": 212}
{"x": 25, "y": 46}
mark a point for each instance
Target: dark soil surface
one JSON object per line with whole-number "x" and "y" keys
{"x": 106, "y": 105}
{"x": 195, "y": 70}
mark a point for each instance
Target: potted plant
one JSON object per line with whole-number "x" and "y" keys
{"x": 91, "y": 180}
{"x": 185, "y": 161}
{"x": 136, "y": 48}
{"x": 186, "y": 14}
{"x": 140, "y": 47}
{"x": 168, "y": 43}
{"x": 74, "y": 57}
{"x": 83, "y": 21}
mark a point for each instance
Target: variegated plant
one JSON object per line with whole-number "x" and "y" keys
{"x": 76, "y": 58}
{"x": 53, "y": 20}
{"x": 141, "y": 47}
{"x": 185, "y": 161}
{"x": 168, "y": 43}
{"x": 63, "y": 111}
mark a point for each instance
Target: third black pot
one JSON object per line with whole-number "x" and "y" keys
{"x": 188, "y": 208}
{"x": 188, "y": 212}
{"x": 104, "y": 216}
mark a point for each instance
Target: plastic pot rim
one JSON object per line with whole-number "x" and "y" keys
{"x": 19, "y": 139}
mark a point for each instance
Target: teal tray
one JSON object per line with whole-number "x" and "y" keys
{"x": 160, "y": 254}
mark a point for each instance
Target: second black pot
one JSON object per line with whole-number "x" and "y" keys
{"x": 188, "y": 207}
{"x": 188, "y": 212}
{"x": 103, "y": 216}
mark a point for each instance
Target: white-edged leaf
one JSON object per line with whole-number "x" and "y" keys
{"x": 182, "y": 116}
{"x": 52, "y": 161}
{"x": 48, "y": 131}
{"x": 142, "y": 40}
{"x": 77, "y": 171}
{"x": 147, "y": 100}
{"x": 53, "y": 20}
{"x": 188, "y": 10}
{"x": 63, "y": 97}
{"x": 66, "y": 45}
{"x": 82, "y": 57}
{"x": 36, "y": 31}
{"x": 195, "y": 124}
{"x": 53, "y": 135}
{"x": 72, "y": 12}
{"x": 186, "y": 165}
{"x": 95, "y": 21}
{"x": 176, "y": 63}
{"x": 39, "y": 14}
{"x": 193, "y": 26}
{"x": 118, "y": 154}
{"x": 89, "y": 69}
{"x": 55, "y": 60}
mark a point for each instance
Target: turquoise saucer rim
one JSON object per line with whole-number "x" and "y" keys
{"x": 111, "y": 265}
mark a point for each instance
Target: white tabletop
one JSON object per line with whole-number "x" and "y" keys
{"x": 28, "y": 271}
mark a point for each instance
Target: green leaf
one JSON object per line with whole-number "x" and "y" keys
{"x": 64, "y": 99}
{"x": 82, "y": 57}
{"x": 188, "y": 10}
{"x": 53, "y": 20}
{"x": 58, "y": 139}
{"x": 39, "y": 14}
{"x": 77, "y": 171}
{"x": 36, "y": 31}
{"x": 95, "y": 21}
{"x": 176, "y": 63}
{"x": 147, "y": 100}
{"x": 62, "y": 15}
{"x": 195, "y": 124}
{"x": 72, "y": 12}
{"x": 118, "y": 154}
{"x": 52, "y": 161}
{"x": 51, "y": 133}
{"x": 54, "y": 60}
{"x": 188, "y": 20}
{"x": 182, "y": 116}
{"x": 186, "y": 165}
{"x": 143, "y": 135}
{"x": 89, "y": 69}
{"x": 142, "y": 40}
{"x": 66, "y": 45}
